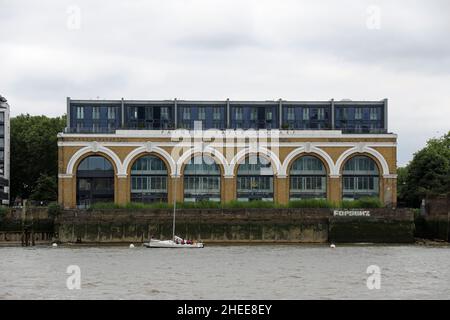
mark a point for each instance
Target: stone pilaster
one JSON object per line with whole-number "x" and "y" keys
{"x": 281, "y": 190}
{"x": 122, "y": 194}
{"x": 172, "y": 183}
{"x": 334, "y": 188}
{"x": 228, "y": 189}
{"x": 389, "y": 193}
{"x": 67, "y": 191}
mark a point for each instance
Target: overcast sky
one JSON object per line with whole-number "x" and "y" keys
{"x": 208, "y": 49}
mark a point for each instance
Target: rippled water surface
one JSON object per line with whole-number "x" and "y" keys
{"x": 226, "y": 272}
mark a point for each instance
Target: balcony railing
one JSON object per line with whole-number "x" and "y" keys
{"x": 149, "y": 125}
{"x": 306, "y": 125}
{"x": 254, "y": 124}
{"x": 89, "y": 130}
{"x": 245, "y": 125}
{"x": 191, "y": 124}
{"x": 363, "y": 130}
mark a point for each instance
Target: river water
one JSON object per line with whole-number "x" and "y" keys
{"x": 226, "y": 272}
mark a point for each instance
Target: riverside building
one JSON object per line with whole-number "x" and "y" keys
{"x": 156, "y": 150}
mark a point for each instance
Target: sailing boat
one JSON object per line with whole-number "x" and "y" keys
{"x": 176, "y": 241}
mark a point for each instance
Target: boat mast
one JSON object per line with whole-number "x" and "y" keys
{"x": 174, "y": 202}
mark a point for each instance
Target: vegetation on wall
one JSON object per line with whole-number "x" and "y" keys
{"x": 428, "y": 174}
{"x": 34, "y": 156}
{"x": 3, "y": 212}
{"x": 310, "y": 203}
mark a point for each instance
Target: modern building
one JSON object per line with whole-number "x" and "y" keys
{"x": 151, "y": 151}
{"x": 4, "y": 151}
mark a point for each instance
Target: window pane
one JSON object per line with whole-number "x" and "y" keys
{"x": 305, "y": 114}
{"x": 95, "y": 113}
{"x": 80, "y": 113}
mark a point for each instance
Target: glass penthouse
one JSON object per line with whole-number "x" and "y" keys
{"x": 136, "y": 151}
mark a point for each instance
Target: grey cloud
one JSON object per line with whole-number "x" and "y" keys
{"x": 217, "y": 41}
{"x": 45, "y": 87}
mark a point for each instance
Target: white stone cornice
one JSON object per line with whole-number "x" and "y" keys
{"x": 229, "y": 132}
{"x": 65, "y": 176}
{"x": 226, "y": 143}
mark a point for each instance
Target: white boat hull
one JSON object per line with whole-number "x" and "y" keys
{"x": 171, "y": 244}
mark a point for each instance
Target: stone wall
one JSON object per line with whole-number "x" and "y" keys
{"x": 14, "y": 231}
{"x": 29, "y": 213}
{"x": 435, "y": 225}
{"x": 235, "y": 225}
{"x": 222, "y": 225}
{"x": 433, "y": 228}
{"x": 438, "y": 206}
{"x": 212, "y": 225}
{"x": 382, "y": 226}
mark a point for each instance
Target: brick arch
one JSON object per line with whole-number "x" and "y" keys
{"x": 215, "y": 154}
{"x": 149, "y": 150}
{"x": 93, "y": 150}
{"x": 380, "y": 161}
{"x": 267, "y": 154}
{"x": 187, "y": 156}
{"x": 144, "y": 154}
{"x": 301, "y": 152}
{"x": 96, "y": 154}
{"x": 86, "y": 155}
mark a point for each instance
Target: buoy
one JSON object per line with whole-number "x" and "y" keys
{"x": 54, "y": 244}
{"x": 332, "y": 246}
{"x": 131, "y": 246}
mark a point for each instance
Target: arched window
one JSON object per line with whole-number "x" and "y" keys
{"x": 360, "y": 178}
{"x": 308, "y": 179}
{"x": 95, "y": 181}
{"x": 255, "y": 179}
{"x": 201, "y": 179}
{"x": 149, "y": 180}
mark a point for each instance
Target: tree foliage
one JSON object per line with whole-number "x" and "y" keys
{"x": 427, "y": 174}
{"x": 34, "y": 155}
{"x": 45, "y": 189}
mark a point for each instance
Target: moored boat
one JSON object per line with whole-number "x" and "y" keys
{"x": 177, "y": 243}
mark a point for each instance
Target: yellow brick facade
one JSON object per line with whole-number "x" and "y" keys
{"x": 123, "y": 149}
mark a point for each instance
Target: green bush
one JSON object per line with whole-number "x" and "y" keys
{"x": 141, "y": 205}
{"x": 3, "y": 211}
{"x": 104, "y": 206}
{"x": 416, "y": 212}
{"x": 129, "y": 206}
{"x": 234, "y": 204}
{"x": 199, "y": 205}
{"x": 53, "y": 210}
{"x": 365, "y": 202}
{"x": 311, "y": 203}
{"x": 256, "y": 204}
